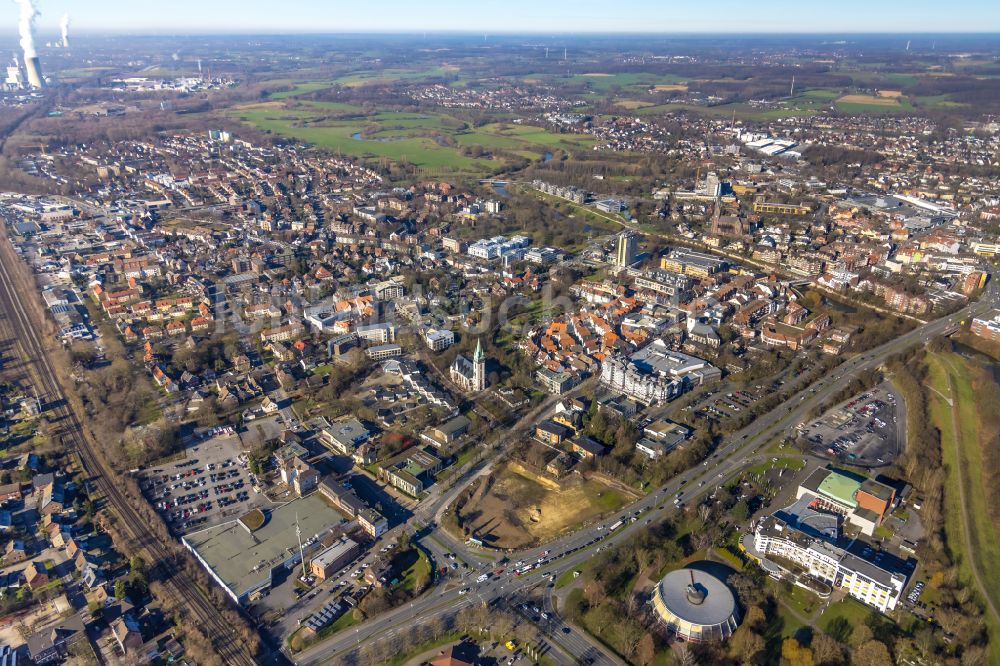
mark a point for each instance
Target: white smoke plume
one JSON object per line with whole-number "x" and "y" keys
{"x": 26, "y": 26}
{"x": 64, "y": 26}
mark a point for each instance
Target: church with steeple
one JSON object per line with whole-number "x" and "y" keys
{"x": 470, "y": 376}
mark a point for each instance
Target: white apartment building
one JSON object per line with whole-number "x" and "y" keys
{"x": 439, "y": 340}
{"x": 865, "y": 581}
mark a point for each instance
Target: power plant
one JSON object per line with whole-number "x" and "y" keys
{"x": 26, "y": 28}
{"x": 34, "y": 70}
{"x": 64, "y": 29}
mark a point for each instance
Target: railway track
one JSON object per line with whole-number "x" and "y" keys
{"x": 17, "y": 325}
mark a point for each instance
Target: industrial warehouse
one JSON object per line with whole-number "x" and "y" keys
{"x": 243, "y": 558}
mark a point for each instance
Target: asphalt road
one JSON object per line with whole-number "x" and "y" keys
{"x": 570, "y": 551}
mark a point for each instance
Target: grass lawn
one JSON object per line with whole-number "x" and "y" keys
{"x": 440, "y": 641}
{"x": 803, "y": 601}
{"x": 962, "y": 450}
{"x": 566, "y": 577}
{"x": 853, "y": 612}
{"x": 460, "y": 460}
{"x": 419, "y": 569}
{"x": 793, "y": 464}
{"x": 789, "y": 623}
{"x": 298, "y": 640}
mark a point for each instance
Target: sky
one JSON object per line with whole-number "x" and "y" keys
{"x": 542, "y": 16}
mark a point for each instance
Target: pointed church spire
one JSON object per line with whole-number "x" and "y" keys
{"x": 480, "y": 356}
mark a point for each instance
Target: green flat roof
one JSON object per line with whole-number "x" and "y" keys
{"x": 840, "y": 487}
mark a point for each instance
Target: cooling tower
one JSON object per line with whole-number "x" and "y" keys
{"x": 34, "y": 69}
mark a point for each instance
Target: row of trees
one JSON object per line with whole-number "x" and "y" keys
{"x": 957, "y": 611}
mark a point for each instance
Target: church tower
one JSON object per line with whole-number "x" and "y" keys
{"x": 479, "y": 368}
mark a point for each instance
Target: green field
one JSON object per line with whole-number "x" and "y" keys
{"x": 433, "y": 142}
{"x": 849, "y": 610}
{"x": 796, "y": 107}
{"x": 419, "y": 570}
{"x": 949, "y": 376}
{"x": 884, "y": 79}
{"x": 299, "y": 88}
{"x": 369, "y": 77}
{"x": 600, "y": 82}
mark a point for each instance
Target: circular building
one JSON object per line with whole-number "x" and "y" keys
{"x": 696, "y": 606}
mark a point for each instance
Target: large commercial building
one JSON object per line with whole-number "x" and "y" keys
{"x": 803, "y": 541}
{"x": 499, "y": 246}
{"x": 244, "y": 560}
{"x": 863, "y": 502}
{"x": 673, "y": 286}
{"x": 696, "y": 606}
{"x": 656, "y": 374}
{"x": 987, "y": 326}
{"x": 780, "y": 208}
{"x": 695, "y": 264}
{"x": 325, "y": 563}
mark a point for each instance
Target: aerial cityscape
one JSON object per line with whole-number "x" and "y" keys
{"x": 539, "y": 334}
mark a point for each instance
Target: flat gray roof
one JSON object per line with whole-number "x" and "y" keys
{"x": 719, "y": 604}
{"x": 334, "y": 552}
{"x": 242, "y": 561}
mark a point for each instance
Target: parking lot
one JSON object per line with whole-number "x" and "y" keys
{"x": 721, "y": 403}
{"x": 210, "y": 485}
{"x": 865, "y": 430}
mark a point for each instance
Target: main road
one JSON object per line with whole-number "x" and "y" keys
{"x": 568, "y": 552}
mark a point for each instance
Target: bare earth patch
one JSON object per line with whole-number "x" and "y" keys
{"x": 632, "y": 104}
{"x": 671, "y": 87}
{"x": 523, "y": 507}
{"x": 869, "y": 99}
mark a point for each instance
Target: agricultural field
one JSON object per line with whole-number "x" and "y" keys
{"x": 522, "y": 508}
{"x": 633, "y": 104}
{"x": 303, "y": 88}
{"x": 861, "y": 103}
{"x": 600, "y": 82}
{"x": 364, "y": 78}
{"x": 433, "y": 142}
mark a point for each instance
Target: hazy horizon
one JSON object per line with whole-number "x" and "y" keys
{"x": 514, "y": 17}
